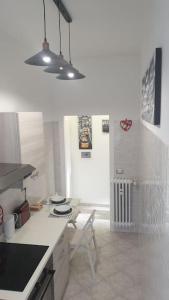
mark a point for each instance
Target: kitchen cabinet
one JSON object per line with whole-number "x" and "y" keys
{"x": 61, "y": 266}
{"x": 22, "y": 141}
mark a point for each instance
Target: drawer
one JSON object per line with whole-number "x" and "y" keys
{"x": 61, "y": 280}
{"x": 60, "y": 251}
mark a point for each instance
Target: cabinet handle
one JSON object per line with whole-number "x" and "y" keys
{"x": 42, "y": 288}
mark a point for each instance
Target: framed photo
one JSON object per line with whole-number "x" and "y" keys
{"x": 85, "y": 154}
{"x": 105, "y": 126}
{"x": 151, "y": 90}
{"x": 85, "y": 132}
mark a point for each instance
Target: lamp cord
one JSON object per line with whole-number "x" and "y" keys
{"x": 60, "y": 35}
{"x": 44, "y": 19}
{"x": 70, "y": 60}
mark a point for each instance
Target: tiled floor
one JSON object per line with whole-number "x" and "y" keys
{"x": 117, "y": 276}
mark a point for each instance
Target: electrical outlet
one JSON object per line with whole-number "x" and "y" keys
{"x": 119, "y": 171}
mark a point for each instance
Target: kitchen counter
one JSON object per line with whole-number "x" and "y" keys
{"x": 39, "y": 230}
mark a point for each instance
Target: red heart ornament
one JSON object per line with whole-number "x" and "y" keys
{"x": 126, "y": 124}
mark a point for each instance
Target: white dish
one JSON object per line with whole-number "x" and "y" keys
{"x": 57, "y": 198}
{"x": 58, "y": 204}
{"x": 58, "y": 215}
{"x": 62, "y": 208}
{"x": 63, "y": 201}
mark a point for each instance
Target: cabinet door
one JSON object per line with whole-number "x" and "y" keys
{"x": 61, "y": 266}
{"x": 61, "y": 279}
{"x": 9, "y": 138}
{"x": 32, "y": 146}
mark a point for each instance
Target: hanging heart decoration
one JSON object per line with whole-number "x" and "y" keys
{"x": 126, "y": 124}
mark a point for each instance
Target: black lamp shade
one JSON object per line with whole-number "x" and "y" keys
{"x": 70, "y": 73}
{"x": 43, "y": 58}
{"x": 70, "y": 76}
{"x": 60, "y": 65}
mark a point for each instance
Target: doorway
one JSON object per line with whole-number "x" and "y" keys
{"x": 87, "y": 170}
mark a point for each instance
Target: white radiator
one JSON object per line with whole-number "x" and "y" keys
{"x": 122, "y": 210}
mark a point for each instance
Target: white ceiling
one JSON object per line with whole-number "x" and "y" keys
{"x": 99, "y": 28}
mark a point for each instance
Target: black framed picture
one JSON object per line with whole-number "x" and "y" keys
{"x": 151, "y": 90}
{"x": 85, "y": 132}
{"x": 105, "y": 126}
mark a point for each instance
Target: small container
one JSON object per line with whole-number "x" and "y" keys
{"x": 1, "y": 215}
{"x": 9, "y": 226}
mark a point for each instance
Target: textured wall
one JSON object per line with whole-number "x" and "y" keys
{"x": 125, "y": 152}
{"x": 126, "y": 149}
{"x": 153, "y": 216}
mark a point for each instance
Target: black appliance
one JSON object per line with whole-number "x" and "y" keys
{"x": 17, "y": 265}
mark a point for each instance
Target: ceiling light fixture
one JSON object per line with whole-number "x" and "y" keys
{"x": 61, "y": 62}
{"x": 69, "y": 72}
{"x": 45, "y": 57}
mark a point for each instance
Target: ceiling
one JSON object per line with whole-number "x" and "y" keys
{"x": 99, "y": 28}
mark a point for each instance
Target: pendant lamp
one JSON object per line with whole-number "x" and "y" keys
{"x": 69, "y": 72}
{"x": 45, "y": 57}
{"x": 59, "y": 65}
{"x": 71, "y": 76}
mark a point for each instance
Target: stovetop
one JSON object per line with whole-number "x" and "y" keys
{"x": 18, "y": 263}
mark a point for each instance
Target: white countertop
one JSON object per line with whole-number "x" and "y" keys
{"x": 39, "y": 230}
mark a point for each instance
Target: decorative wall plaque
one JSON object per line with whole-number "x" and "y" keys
{"x": 151, "y": 90}
{"x": 85, "y": 132}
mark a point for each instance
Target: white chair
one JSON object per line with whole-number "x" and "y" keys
{"x": 84, "y": 238}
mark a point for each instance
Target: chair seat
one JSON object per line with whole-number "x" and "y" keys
{"x": 78, "y": 238}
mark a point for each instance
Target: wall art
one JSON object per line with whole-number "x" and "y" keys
{"x": 105, "y": 126}
{"x": 85, "y": 132}
{"x": 151, "y": 90}
{"x": 126, "y": 124}
{"x": 85, "y": 154}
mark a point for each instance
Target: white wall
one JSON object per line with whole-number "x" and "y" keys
{"x": 126, "y": 148}
{"x": 54, "y": 144}
{"x": 156, "y": 35}
{"x": 89, "y": 176}
{"x": 154, "y": 165}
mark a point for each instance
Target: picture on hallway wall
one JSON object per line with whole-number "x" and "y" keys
{"x": 85, "y": 154}
{"x": 85, "y": 132}
{"x": 105, "y": 126}
{"x": 151, "y": 90}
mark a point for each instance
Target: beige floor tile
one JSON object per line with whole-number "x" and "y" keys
{"x": 122, "y": 260}
{"x": 81, "y": 296}
{"x": 120, "y": 282}
{"x": 101, "y": 291}
{"x": 134, "y": 271}
{"x": 73, "y": 288}
{"x": 107, "y": 252}
{"x": 134, "y": 293}
{"x": 119, "y": 298}
{"x": 85, "y": 278}
{"x": 101, "y": 242}
{"x": 106, "y": 267}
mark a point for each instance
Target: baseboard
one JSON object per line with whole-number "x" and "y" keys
{"x": 116, "y": 227}
{"x": 95, "y": 205}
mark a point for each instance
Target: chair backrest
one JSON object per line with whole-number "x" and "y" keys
{"x": 88, "y": 226}
{"x": 89, "y": 223}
